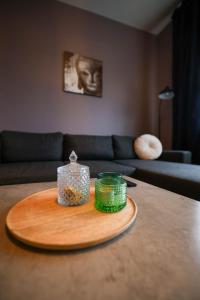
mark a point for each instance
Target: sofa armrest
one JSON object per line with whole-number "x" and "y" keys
{"x": 176, "y": 156}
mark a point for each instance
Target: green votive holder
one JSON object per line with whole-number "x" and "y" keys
{"x": 110, "y": 192}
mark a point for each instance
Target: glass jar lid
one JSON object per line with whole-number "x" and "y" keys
{"x": 73, "y": 166}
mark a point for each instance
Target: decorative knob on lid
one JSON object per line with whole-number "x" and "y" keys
{"x": 73, "y": 165}
{"x": 73, "y": 157}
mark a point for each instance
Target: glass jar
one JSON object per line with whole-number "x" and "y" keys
{"x": 73, "y": 181}
{"x": 110, "y": 192}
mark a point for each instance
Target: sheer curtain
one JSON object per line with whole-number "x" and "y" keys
{"x": 186, "y": 78}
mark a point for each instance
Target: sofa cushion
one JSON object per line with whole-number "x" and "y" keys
{"x": 181, "y": 178}
{"x": 98, "y": 166}
{"x": 24, "y": 147}
{"x": 123, "y": 147}
{"x": 26, "y": 172}
{"x": 89, "y": 147}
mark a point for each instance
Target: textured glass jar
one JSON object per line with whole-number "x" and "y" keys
{"x": 110, "y": 192}
{"x": 73, "y": 181}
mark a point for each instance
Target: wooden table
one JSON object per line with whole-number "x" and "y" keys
{"x": 157, "y": 258}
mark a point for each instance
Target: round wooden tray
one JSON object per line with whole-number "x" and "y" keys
{"x": 39, "y": 221}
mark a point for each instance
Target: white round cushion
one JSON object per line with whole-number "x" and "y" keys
{"x": 148, "y": 146}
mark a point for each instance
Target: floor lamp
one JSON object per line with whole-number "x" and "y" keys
{"x": 166, "y": 94}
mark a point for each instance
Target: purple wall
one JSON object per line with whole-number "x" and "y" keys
{"x": 34, "y": 36}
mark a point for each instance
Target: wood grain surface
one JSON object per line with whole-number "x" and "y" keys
{"x": 39, "y": 221}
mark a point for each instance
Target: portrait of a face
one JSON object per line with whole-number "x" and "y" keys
{"x": 82, "y": 74}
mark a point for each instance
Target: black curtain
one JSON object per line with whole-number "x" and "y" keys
{"x": 186, "y": 78}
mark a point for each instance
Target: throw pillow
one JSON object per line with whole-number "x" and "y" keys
{"x": 148, "y": 146}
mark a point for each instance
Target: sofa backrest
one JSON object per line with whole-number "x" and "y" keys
{"x": 23, "y": 146}
{"x": 123, "y": 147}
{"x": 90, "y": 147}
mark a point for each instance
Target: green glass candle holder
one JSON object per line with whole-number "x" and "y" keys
{"x": 110, "y": 192}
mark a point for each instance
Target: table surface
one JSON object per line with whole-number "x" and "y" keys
{"x": 157, "y": 258}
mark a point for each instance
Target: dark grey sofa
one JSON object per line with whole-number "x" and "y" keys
{"x": 35, "y": 157}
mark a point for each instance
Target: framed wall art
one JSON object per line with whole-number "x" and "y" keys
{"x": 82, "y": 75}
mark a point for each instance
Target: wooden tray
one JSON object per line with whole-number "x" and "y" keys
{"x": 39, "y": 221}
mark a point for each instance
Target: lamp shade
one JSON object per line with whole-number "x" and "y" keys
{"x": 166, "y": 94}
